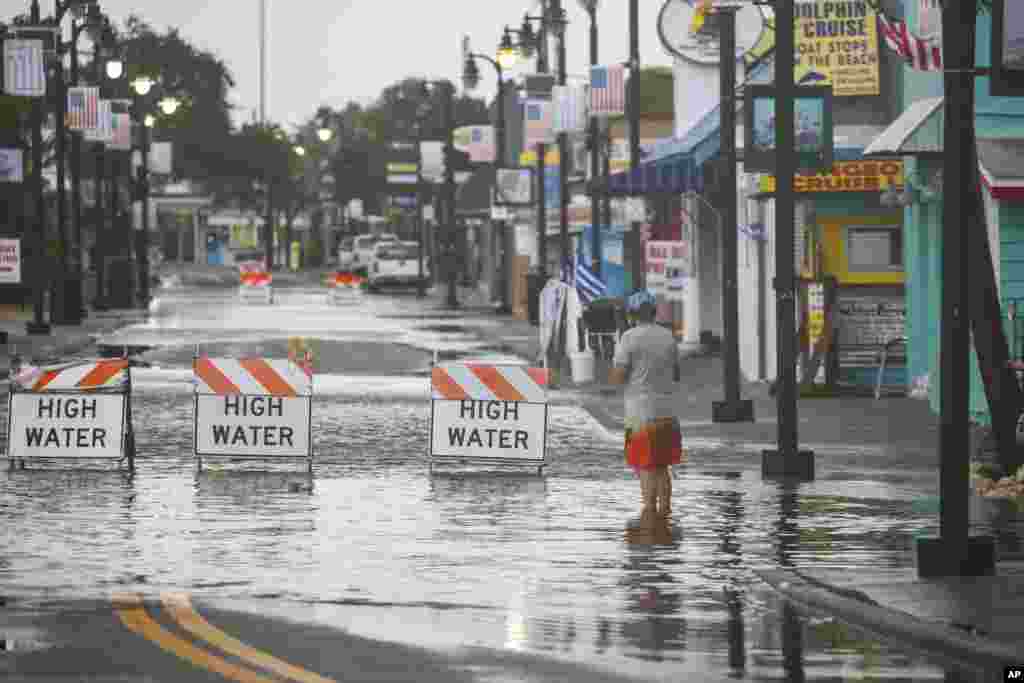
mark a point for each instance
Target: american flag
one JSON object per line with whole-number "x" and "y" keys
{"x": 570, "y": 108}
{"x": 538, "y": 123}
{"x": 83, "y": 106}
{"x": 921, "y": 54}
{"x": 103, "y": 131}
{"x": 608, "y": 90}
{"x": 122, "y": 132}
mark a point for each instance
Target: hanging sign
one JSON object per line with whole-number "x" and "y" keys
{"x": 837, "y": 45}
{"x": 12, "y": 165}
{"x": 24, "y": 68}
{"x": 10, "y": 261}
{"x": 845, "y": 176}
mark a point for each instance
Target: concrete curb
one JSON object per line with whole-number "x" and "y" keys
{"x": 983, "y": 654}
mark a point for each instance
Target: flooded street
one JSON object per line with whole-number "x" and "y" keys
{"x": 374, "y": 543}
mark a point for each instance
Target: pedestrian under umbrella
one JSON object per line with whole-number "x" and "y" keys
{"x": 647, "y": 362}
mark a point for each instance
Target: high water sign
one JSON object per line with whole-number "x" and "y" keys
{"x": 489, "y": 412}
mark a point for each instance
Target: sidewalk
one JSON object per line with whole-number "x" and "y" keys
{"x": 979, "y": 621}
{"x": 63, "y": 340}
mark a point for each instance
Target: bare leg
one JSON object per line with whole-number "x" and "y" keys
{"x": 665, "y": 490}
{"x": 648, "y": 491}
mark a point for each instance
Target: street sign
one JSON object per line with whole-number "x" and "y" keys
{"x": 24, "y": 68}
{"x": 75, "y": 410}
{"x": 10, "y": 261}
{"x": 489, "y": 412}
{"x": 252, "y": 407}
{"x": 12, "y": 165}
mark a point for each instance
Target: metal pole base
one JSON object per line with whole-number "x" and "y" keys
{"x": 33, "y": 327}
{"x": 935, "y": 556}
{"x": 777, "y": 464}
{"x": 732, "y": 411}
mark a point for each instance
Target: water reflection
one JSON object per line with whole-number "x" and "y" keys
{"x": 787, "y": 530}
{"x": 654, "y": 599}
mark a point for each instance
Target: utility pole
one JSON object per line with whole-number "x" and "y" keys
{"x": 37, "y": 325}
{"x": 76, "y": 185}
{"x": 449, "y": 189}
{"x": 637, "y": 260}
{"x": 954, "y": 552}
{"x": 732, "y": 409}
{"x": 59, "y": 313}
{"x": 595, "y": 162}
{"x": 558, "y": 19}
{"x": 787, "y": 460}
{"x": 143, "y": 238}
{"x": 542, "y": 152}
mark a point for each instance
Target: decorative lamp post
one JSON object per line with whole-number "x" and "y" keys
{"x": 590, "y": 6}
{"x": 470, "y": 79}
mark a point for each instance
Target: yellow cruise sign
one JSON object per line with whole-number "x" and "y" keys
{"x": 845, "y": 176}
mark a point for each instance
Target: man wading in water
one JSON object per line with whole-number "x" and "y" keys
{"x": 647, "y": 362}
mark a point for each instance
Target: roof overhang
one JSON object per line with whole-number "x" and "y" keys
{"x": 917, "y": 131}
{"x": 1001, "y": 163}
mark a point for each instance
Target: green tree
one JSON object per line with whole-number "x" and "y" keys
{"x": 201, "y": 81}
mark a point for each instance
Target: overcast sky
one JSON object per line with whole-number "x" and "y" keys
{"x": 333, "y": 51}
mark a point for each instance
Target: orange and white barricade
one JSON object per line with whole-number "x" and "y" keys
{"x": 254, "y": 281}
{"x": 344, "y": 284}
{"x": 79, "y": 410}
{"x": 253, "y": 408}
{"x": 489, "y": 412}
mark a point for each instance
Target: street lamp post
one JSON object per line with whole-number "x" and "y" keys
{"x": 111, "y": 68}
{"x": 37, "y": 325}
{"x": 471, "y": 78}
{"x": 556, "y": 19}
{"x": 447, "y": 109}
{"x": 592, "y": 133}
{"x": 91, "y": 21}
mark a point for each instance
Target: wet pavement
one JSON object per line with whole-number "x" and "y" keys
{"x": 511, "y": 575}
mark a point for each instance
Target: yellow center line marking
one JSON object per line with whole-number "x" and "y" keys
{"x": 133, "y": 615}
{"x": 181, "y": 609}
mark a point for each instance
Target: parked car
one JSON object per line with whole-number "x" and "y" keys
{"x": 364, "y": 246}
{"x": 396, "y": 264}
{"x": 346, "y": 253}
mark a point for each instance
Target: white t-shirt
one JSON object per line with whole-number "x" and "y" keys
{"x": 649, "y": 354}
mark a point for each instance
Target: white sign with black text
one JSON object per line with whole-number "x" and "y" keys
{"x": 252, "y": 425}
{"x": 10, "y": 261}
{"x": 49, "y": 425}
{"x": 489, "y": 430}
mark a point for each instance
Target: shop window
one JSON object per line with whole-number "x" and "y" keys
{"x": 874, "y": 249}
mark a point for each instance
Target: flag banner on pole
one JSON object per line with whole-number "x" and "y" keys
{"x": 538, "y": 124}
{"x": 24, "y": 68}
{"x": 588, "y": 284}
{"x": 570, "y": 115}
{"x": 608, "y": 90}
{"x": 103, "y": 130}
{"x": 121, "y": 138}
{"x": 920, "y": 54}
{"x": 83, "y": 108}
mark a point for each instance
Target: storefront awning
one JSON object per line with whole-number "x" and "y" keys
{"x": 918, "y": 130}
{"x": 674, "y": 166}
{"x": 1001, "y": 162}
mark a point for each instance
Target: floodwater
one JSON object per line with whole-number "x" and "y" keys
{"x": 376, "y": 543}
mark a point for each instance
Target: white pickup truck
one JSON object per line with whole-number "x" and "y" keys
{"x": 363, "y": 246}
{"x": 396, "y": 264}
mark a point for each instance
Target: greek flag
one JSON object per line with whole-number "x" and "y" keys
{"x": 588, "y": 285}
